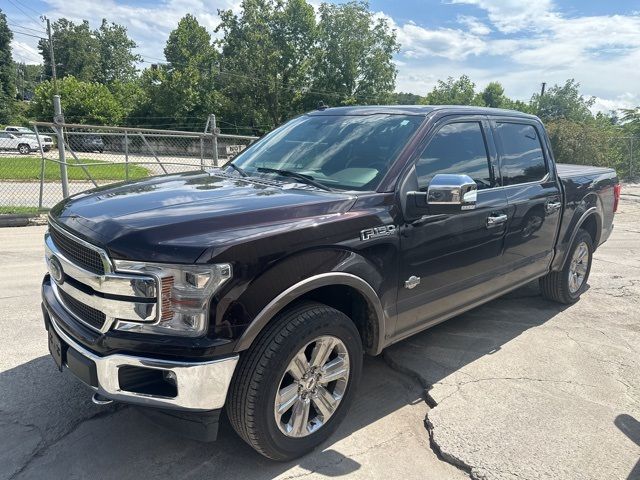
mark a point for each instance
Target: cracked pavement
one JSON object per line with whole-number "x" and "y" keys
{"x": 525, "y": 388}
{"x": 518, "y": 388}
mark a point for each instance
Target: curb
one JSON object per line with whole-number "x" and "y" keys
{"x": 18, "y": 220}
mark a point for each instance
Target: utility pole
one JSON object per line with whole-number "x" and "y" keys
{"x": 58, "y": 117}
{"x": 52, "y": 57}
{"x": 215, "y": 132}
{"x": 544, "y": 86}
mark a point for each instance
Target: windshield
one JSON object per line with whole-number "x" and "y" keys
{"x": 23, "y": 130}
{"x": 344, "y": 152}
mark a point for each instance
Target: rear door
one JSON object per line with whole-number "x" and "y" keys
{"x": 533, "y": 197}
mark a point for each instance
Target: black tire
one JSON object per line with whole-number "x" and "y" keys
{"x": 252, "y": 394}
{"x": 555, "y": 285}
{"x": 24, "y": 149}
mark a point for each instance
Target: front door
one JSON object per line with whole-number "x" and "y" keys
{"x": 448, "y": 261}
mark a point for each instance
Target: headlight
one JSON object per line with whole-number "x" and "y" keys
{"x": 184, "y": 293}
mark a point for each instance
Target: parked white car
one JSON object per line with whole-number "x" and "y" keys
{"x": 24, "y": 145}
{"x": 47, "y": 142}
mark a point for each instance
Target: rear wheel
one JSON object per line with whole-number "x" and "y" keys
{"x": 568, "y": 284}
{"x": 24, "y": 149}
{"x": 293, "y": 387}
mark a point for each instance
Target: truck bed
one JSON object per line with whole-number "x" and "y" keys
{"x": 566, "y": 170}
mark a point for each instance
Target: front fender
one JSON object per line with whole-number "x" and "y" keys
{"x": 301, "y": 273}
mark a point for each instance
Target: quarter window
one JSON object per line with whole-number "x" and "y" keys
{"x": 522, "y": 157}
{"x": 457, "y": 148}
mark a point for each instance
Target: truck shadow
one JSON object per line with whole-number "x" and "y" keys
{"x": 52, "y": 430}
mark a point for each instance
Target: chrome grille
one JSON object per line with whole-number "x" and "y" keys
{"x": 82, "y": 255}
{"x": 91, "y": 316}
{"x": 91, "y": 290}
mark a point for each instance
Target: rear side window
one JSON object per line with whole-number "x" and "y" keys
{"x": 457, "y": 148}
{"x": 522, "y": 157}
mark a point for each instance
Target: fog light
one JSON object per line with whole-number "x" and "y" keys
{"x": 171, "y": 378}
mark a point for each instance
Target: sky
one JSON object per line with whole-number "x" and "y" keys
{"x": 520, "y": 43}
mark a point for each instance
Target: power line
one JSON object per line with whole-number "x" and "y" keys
{"x": 25, "y": 28}
{"x": 28, "y": 35}
{"x": 27, "y": 6}
{"x": 25, "y": 14}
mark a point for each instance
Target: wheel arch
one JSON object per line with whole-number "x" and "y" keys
{"x": 591, "y": 221}
{"x": 344, "y": 291}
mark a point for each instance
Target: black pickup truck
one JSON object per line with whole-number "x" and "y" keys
{"x": 259, "y": 286}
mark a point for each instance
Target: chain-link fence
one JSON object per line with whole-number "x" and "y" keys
{"x": 36, "y": 173}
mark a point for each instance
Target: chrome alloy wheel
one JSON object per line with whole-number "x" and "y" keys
{"x": 578, "y": 267}
{"x": 312, "y": 387}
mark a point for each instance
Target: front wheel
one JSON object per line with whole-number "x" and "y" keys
{"x": 568, "y": 284}
{"x": 24, "y": 149}
{"x": 293, "y": 387}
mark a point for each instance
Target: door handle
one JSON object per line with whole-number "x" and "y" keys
{"x": 496, "y": 220}
{"x": 552, "y": 207}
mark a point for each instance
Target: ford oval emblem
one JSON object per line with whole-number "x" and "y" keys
{"x": 55, "y": 269}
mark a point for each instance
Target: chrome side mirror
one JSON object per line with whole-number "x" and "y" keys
{"x": 446, "y": 194}
{"x": 457, "y": 192}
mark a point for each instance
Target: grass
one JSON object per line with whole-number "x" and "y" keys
{"x": 8, "y": 209}
{"x": 27, "y": 168}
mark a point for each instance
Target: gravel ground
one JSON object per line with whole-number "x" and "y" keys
{"x": 518, "y": 388}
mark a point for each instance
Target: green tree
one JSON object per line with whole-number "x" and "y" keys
{"x": 493, "y": 96}
{"x": 563, "y": 102}
{"x": 104, "y": 55}
{"x": 82, "y": 102}
{"x": 76, "y": 50}
{"x": 354, "y": 56}
{"x": 631, "y": 120}
{"x": 7, "y": 72}
{"x": 117, "y": 62}
{"x": 402, "y": 98}
{"x": 596, "y": 142}
{"x": 182, "y": 91}
{"x": 454, "y": 92}
{"x": 266, "y": 60}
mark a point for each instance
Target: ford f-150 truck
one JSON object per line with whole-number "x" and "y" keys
{"x": 259, "y": 286}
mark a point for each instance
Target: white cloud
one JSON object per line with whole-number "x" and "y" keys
{"x": 474, "y": 25}
{"x": 513, "y": 15}
{"x": 148, "y": 25}
{"x": 25, "y": 52}
{"x": 418, "y": 42}
{"x": 536, "y": 43}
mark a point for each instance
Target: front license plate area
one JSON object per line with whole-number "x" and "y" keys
{"x": 56, "y": 348}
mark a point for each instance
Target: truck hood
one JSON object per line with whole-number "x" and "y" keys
{"x": 175, "y": 218}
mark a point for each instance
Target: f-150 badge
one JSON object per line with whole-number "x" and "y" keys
{"x": 376, "y": 232}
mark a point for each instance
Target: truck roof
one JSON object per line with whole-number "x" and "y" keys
{"x": 421, "y": 110}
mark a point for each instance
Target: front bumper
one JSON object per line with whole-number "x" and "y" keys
{"x": 199, "y": 386}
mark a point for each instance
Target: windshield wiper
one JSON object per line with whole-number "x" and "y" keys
{"x": 237, "y": 169}
{"x": 308, "y": 179}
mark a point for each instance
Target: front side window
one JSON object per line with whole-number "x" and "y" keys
{"x": 521, "y": 156}
{"x": 348, "y": 152}
{"x": 457, "y": 148}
